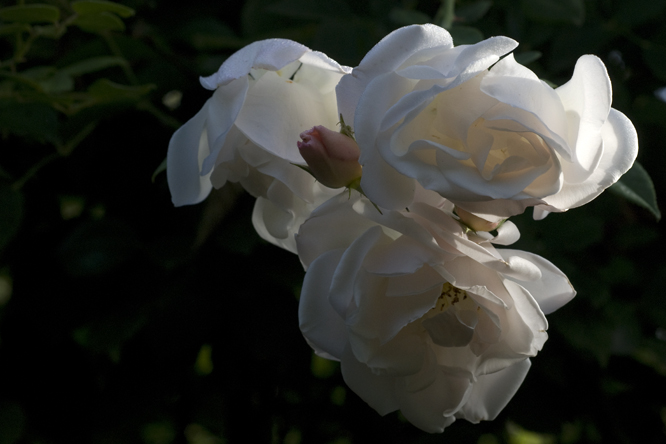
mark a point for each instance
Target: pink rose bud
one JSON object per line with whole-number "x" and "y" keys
{"x": 475, "y": 222}
{"x": 331, "y": 156}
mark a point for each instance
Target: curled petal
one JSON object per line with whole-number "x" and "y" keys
{"x": 553, "y": 290}
{"x": 271, "y": 54}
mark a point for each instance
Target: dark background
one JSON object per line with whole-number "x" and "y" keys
{"x": 126, "y": 320}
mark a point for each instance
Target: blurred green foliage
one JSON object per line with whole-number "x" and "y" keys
{"x": 125, "y": 320}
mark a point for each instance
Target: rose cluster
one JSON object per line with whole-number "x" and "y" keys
{"x": 399, "y": 218}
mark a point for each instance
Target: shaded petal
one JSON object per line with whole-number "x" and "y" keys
{"x": 274, "y": 224}
{"x": 187, "y": 149}
{"x": 492, "y": 392}
{"x": 223, "y": 110}
{"x": 377, "y": 391}
{"x": 432, "y": 408}
{"x": 324, "y": 329}
{"x": 344, "y": 281}
{"x": 337, "y": 212}
{"x": 447, "y": 331}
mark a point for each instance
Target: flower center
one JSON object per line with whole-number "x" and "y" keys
{"x": 450, "y": 297}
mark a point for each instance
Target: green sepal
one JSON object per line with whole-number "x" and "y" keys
{"x": 346, "y": 129}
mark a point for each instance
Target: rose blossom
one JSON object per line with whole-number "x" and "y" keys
{"x": 423, "y": 317}
{"x": 493, "y": 141}
{"x": 265, "y": 95}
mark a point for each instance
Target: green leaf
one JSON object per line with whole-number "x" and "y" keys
{"x": 636, "y": 186}
{"x": 106, "y": 90}
{"x": 11, "y": 213}
{"x": 527, "y": 57}
{"x": 38, "y": 73}
{"x": 97, "y": 6}
{"x": 34, "y": 120}
{"x": 99, "y": 22}
{"x": 13, "y": 28}
{"x": 465, "y": 35}
{"x": 93, "y": 64}
{"x": 445, "y": 15}
{"x": 558, "y": 11}
{"x": 58, "y": 83}
{"x": 48, "y": 79}
{"x": 474, "y": 11}
{"x": 49, "y": 31}
{"x": 36, "y": 13}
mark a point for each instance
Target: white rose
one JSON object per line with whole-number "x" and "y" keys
{"x": 266, "y": 94}
{"x": 423, "y": 317}
{"x": 493, "y": 141}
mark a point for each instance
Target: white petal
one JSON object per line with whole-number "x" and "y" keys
{"x": 528, "y": 325}
{"x": 432, "y": 408}
{"x": 513, "y": 84}
{"x": 378, "y": 317}
{"x": 402, "y": 355}
{"x": 587, "y": 99}
{"x": 619, "y": 153}
{"x": 386, "y": 56}
{"x": 553, "y": 290}
{"x": 223, "y": 109}
{"x": 447, "y": 331}
{"x": 271, "y": 54}
{"x": 491, "y": 393}
{"x": 380, "y": 182}
{"x": 377, "y": 391}
{"x": 315, "y": 235}
{"x": 344, "y": 282}
{"x": 274, "y": 224}
{"x": 277, "y": 110}
{"x": 187, "y": 149}
{"x": 507, "y": 234}
{"x": 324, "y": 329}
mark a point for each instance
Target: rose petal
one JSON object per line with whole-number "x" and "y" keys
{"x": 491, "y": 393}
{"x": 553, "y": 290}
{"x": 323, "y": 327}
{"x": 187, "y": 149}
{"x": 271, "y": 54}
